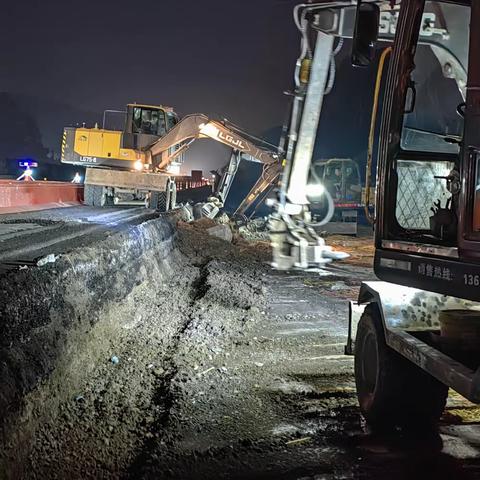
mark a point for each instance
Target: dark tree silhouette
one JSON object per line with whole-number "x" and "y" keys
{"x": 19, "y": 136}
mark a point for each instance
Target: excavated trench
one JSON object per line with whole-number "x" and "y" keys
{"x": 93, "y": 345}
{"x": 164, "y": 392}
{"x": 54, "y": 318}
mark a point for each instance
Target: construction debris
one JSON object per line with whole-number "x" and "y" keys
{"x": 298, "y": 440}
{"x": 206, "y": 371}
{"x": 221, "y": 231}
{"x": 50, "y": 258}
{"x": 255, "y": 230}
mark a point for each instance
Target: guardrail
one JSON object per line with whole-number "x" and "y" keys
{"x": 187, "y": 184}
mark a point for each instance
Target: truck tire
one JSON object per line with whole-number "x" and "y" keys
{"x": 94, "y": 196}
{"x": 158, "y": 201}
{"x": 391, "y": 390}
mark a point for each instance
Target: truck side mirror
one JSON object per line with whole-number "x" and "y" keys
{"x": 366, "y": 32}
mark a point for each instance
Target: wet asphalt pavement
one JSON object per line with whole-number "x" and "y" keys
{"x": 306, "y": 421}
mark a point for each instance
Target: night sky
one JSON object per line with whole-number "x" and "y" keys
{"x": 228, "y": 58}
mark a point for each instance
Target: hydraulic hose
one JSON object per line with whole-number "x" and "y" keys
{"x": 330, "y": 203}
{"x": 330, "y": 211}
{"x": 333, "y": 68}
{"x": 371, "y": 136}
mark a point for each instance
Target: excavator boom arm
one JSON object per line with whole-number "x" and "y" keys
{"x": 196, "y": 126}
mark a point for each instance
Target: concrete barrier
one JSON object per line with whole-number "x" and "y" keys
{"x": 22, "y": 196}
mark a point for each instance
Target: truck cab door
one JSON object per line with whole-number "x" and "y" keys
{"x": 424, "y": 145}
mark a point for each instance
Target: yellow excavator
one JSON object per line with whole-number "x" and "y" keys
{"x": 136, "y": 165}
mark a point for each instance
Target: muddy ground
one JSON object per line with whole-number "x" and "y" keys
{"x": 227, "y": 369}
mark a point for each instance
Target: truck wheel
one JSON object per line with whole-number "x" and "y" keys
{"x": 158, "y": 201}
{"x": 94, "y": 196}
{"x": 392, "y": 391}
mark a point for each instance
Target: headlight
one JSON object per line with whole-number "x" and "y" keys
{"x": 138, "y": 165}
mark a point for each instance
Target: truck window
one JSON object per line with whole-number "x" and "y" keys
{"x": 418, "y": 190}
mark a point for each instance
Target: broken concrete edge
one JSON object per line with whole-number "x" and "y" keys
{"x": 220, "y": 228}
{"x": 42, "y": 308}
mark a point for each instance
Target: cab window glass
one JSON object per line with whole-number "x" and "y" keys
{"x": 171, "y": 120}
{"x": 148, "y": 121}
{"x": 421, "y": 191}
{"x": 438, "y": 81}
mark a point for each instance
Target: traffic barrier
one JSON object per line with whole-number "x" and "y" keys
{"x": 29, "y": 195}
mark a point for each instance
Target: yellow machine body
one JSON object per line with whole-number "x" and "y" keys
{"x": 94, "y": 146}
{"x": 98, "y": 147}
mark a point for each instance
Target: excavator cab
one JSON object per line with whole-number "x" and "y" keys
{"x": 428, "y": 213}
{"x": 341, "y": 177}
{"x": 145, "y": 124}
{"x": 116, "y": 148}
{"x": 117, "y": 172}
